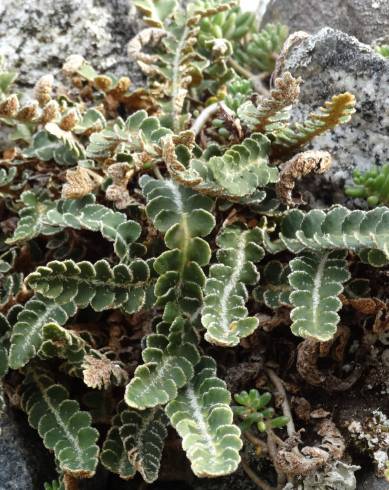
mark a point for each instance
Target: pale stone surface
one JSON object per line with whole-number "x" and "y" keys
{"x": 368, "y": 20}
{"x": 331, "y": 62}
{"x": 36, "y": 36}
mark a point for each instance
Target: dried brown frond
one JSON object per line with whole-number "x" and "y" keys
{"x": 69, "y": 120}
{"x": 121, "y": 174}
{"x": 299, "y": 166}
{"x": 149, "y": 37}
{"x": 29, "y": 112}
{"x": 97, "y": 372}
{"x": 43, "y": 89}
{"x": 102, "y": 82}
{"x": 50, "y": 112}
{"x": 294, "y": 462}
{"x": 80, "y": 182}
{"x": 10, "y": 106}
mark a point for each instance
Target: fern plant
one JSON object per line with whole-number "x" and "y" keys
{"x": 145, "y": 234}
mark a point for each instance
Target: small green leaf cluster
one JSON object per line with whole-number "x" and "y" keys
{"x": 372, "y": 185}
{"x": 261, "y": 51}
{"x": 254, "y": 410}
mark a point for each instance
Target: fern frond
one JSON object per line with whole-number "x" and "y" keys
{"x": 339, "y": 228}
{"x": 63, "y": 427}
{"x": 224, "y": 315}
{"x": 271, "y": 114}
{"x": 31, "y": 218}
{"x": 97, "y": 285}
{"x": 113, "y": 455}
{"x": 27, "y": 333}
{"x": 137, "y": 139}
{"x": 143, "y": 435}
{"x": 274, "y": 289}
{"x": 53, "y": 143}
{"x": 317, "y": 279}
{"x": 202, "y": 417}
{"x": 177, "y": 65}
{"x": 336, "y": 111}
{"x": 237, "y": 173}
{"x": 170, "y": 357}
{"x": 10, "y": 287}
{"x": 49, "y": 217}
{"x": 185, "y": 217}
{"x": 86, "y": 214}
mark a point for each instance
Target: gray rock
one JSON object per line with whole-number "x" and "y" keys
{"x": 36, "y": 36}
{"x": 368, "y": 481}
{"x": 332, "y": 62}
{"x": 365, "y": 19}
{"x": 24, "y": 463}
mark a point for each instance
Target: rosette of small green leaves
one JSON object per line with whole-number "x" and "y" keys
{"x": 372, "y": 185}
{"x": 254, "y": 409}
{"x": 232, "y": 25}
{"x": 217, "y": 39}
{"x": 260, "y": 53}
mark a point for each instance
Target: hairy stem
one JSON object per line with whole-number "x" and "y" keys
{"x": 202, "y": 118}
{"x": 285, "y": 404}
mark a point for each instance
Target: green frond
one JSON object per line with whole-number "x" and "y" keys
{"x": 48, "y": 218}
{"x": 170, "y": 357}
{"x": 317, "y": 279}
{"x": 339, "y": 229}
{"x": 114, "y": 457}
{"x": 53, "y": 143}
{"x": 185, "y": 217}
{"x": 238, "y": 172}
{"x": 63, "y": 427}
{"x": 98, "y": 285}
{"x": 143, "y": 435}
{"x": 27, "y": 333}
{"x": 136, "y": 140}
{"x": 334, "y": 112}
{"x": 202, "y": 417}
{"x": 31, "y": 218}
{"x": 224, "y": 315}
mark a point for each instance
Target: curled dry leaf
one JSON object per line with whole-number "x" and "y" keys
{"x": 149, "y": 37}
{"x": 80, "y": 182}
{"x": 43, "y": 89}
{"x": 299, "y": 166}
{"x": 121, "y": 173}
{"x": 294, "y": 462}
{"x": 97, "y": 372}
